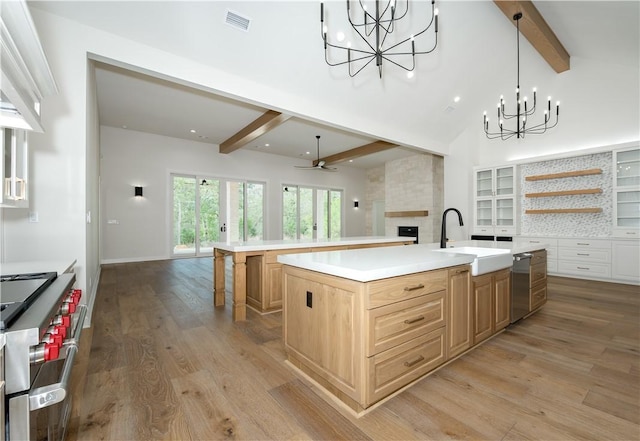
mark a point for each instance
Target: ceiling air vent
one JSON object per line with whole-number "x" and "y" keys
{"x": 237, "y": 21}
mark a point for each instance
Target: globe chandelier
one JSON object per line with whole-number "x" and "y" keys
{"x": 523, "y": 112}
{"x": 375, "y": 27}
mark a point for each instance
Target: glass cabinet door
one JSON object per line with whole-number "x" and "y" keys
{"x": 484, "y": 213}
{"x": 628, "y": 168}
{"x": 484, "y": 183}
{"x": 504, "y": 181}
{"x": 505, "y": 212}
{"x": 14, "y": 168}
{"x": 628, "y": 209}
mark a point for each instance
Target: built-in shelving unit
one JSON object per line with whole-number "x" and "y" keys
{"x": 564, "y": 193}
{"x": 571, "y": 174}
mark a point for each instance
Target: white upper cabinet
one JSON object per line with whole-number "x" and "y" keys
{"x": 14, "y": 168}
{"x": 25, "y": 75}
{"x": 494, "y": 201}
{"x": 626, "y": 193}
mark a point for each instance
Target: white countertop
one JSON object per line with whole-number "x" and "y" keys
{"x": 37, "y": 266}
{"x": 369, "y": 264}
{"x": 375, "y": 263}
{"x": 264, "y": 245}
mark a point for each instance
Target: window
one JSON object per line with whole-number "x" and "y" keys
{"x": 208, "y": 210}
{"x": 311, "y": 213}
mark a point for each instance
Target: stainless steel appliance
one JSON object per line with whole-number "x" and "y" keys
{"x": 520, "y": 285}
{"x": 42, "y": 322}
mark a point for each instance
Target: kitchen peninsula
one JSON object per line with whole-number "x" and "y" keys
{"x": 365, "y": 324}
{"x": 257, "y": 275}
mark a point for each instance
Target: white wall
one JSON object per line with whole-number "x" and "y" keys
{"x": 132, "y": 158}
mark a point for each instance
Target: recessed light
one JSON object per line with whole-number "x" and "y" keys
{"x": 456, "y": 99}
{"x": 350, "y": 160}
{"x": 266, "y": 145}
{"x": 124, "y": 127}
{"x": 193, "y": 130}
{"x": 308, "y": 153}
{"x": 203, "y": 137}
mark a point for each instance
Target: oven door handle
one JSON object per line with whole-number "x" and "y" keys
{"x": 51, "y": 394}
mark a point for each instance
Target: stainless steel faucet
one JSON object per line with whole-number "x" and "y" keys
{"x": 443, "y": 232}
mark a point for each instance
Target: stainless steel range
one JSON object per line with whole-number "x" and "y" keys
{"x": 41, "y": 322}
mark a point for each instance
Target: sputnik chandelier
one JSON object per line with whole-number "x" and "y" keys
{"x": 374, "y": 28}
{"x": 523, "y": 112}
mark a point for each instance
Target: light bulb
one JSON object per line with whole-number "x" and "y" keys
{"x": 525, "y": 98}
{"x": 435, "y": 11}
{"x": 557, "y": 103}
{"x": 340, "y": 36}
{"x": 324, "y": 29}
{"x": 549, "y": 98}
{"x": 410, "y": 74}
{"x": 348, "y": 44}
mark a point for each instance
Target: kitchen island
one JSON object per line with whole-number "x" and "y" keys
{"x": 365, "y": 324}
{"x": 257, "y": 274}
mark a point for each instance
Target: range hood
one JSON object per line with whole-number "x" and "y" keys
{"x": 25, "y": 75}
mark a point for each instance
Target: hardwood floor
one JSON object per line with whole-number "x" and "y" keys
{"x": 160, "y": 362}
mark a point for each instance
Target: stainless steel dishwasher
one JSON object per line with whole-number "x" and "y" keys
{"x": 520, "y": 285}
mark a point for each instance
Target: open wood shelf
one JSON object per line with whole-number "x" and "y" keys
{"x": 592, "y": 171}
{"x": 564, "y": 210}
{"x": 418, "y": 213}
{"x": 564, "y": 193}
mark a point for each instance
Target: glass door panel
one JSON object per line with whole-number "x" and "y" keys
{"x": 307, "y": 225}
{"x": 184, "y": 215}
{"x": 290, "y": 212}
{"x": 335, "y": 214}
{"x": 484, "y": 183}
{"x": 504, "y": 181}
{"x": 235, "y": 227}
{"x": 255, "y": 211}
{"x": 322, "y": 214}
{"x": 484, "y": 213}
{"x": 504, "y": 212}
{"x": 628, "y": 168}
{"x": 209, "y": 214}
{"x": 628, "y": 209}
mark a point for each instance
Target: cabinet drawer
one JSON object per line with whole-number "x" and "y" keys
{"x": 396, "y": 289}
{"x": 538, "y": 257}
{"x": 585, "y": 255}
{"x": 552, "y": 266}
{"x": 399, "y": 322}
{"x": 538, "y": 273}
{"x": 586, "y": 269}
{"x": 397, "y": 367}
{"x": 584, "y": 243}
{"x": 537, "y": 297}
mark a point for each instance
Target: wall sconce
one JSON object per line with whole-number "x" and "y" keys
{"x": 355, "y": 204}
{"x": 138, "y": 191}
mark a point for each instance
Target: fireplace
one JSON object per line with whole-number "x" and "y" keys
{"x": 409, "y": 232}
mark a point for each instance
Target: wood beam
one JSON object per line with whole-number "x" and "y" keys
{"x": 364, "y": 150}
{"x": 268, "y": 121}
{"x": 537, "y": 31}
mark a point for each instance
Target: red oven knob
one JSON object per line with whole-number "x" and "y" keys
{"x": 61, "y": 330}
{"x": 51, "y": 352}
{"x": 77, "y": 292}
{"x": 67, "y": 308}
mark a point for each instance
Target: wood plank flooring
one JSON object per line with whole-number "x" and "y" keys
{"x": 160, "y": 362}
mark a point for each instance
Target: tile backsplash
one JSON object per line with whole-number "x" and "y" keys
{"x": 567, "y": 224}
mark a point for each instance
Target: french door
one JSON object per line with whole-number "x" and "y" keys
{"x": 208, "y": 210}
{"x": 311, "y": 212}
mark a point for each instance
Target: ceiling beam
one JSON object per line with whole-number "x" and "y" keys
{"x": 537, "y": 31}
{"x": 364, "y": 150}
{"x": 268, "y": 121}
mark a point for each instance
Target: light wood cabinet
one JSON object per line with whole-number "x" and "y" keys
{"x": 491, "y": 303}
{"x": 538, "y": 280}
{"x": 460, "y": 317}
{"x": 364, "y": 341}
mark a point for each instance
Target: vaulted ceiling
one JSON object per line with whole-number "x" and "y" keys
{"x": 474, "y": 60}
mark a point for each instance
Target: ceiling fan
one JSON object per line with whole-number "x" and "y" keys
{"x": 319, "y": 164}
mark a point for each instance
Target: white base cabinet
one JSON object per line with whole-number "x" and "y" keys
{"x": 616, "y": 260}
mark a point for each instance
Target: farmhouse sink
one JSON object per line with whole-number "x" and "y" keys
{"x": 487, "y": 260}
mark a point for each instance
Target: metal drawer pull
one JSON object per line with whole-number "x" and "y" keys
{"x": 413, "y": 288}
{"x": 460, "y": 271}
{"x": 582, "y": 268}
{"x": 414, "y": 362}
{"x": 417, "y": 319}
{"x": 582, "y": 254}
{"x": 582, "y": 243}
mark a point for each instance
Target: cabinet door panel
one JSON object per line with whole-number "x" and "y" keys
{"x": 502, "y": 299}
{"x": 482, "y": 305}
{"x": 460, "y": 318}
